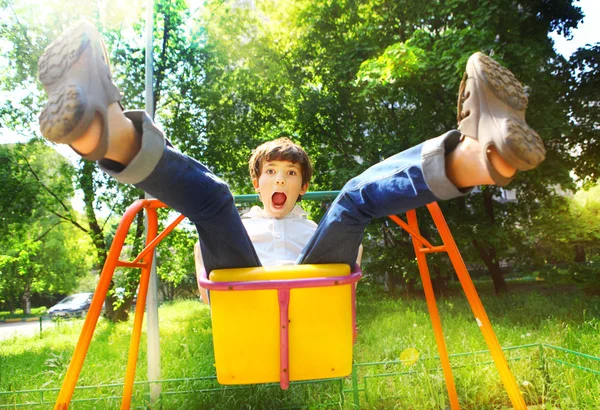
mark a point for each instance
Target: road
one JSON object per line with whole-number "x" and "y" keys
{"x": 23, "y": 329}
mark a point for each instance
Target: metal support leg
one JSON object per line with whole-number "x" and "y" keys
{"x": 284, "y": 339}
{"x": 74, "y": 369}
{"x": 433, "y": 312}
{"x": 134, "y": 344}
{"x": 483, "y": 322}
{"x": 142, "y": 261}
{"x": 422, "y": 247}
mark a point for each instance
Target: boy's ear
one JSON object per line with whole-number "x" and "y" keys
{"x": 304, "y": 189}
{"x": 255, "y": 184}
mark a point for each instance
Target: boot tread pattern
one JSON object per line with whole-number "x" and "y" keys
{"x": 503, "y": 83}
{"x": 62, "y": 113}
{"x": 524, "y": 142}
{"x": 61, "y": 54}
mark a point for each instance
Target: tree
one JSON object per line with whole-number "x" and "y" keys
{"x": 27, "y": 38}
{"x": 357, "y": 82}
{"x": 175, "y": 263}
{"x": 39, "y": 251}
{"x": 390, "y": 68}
{"x": 570, "y": 230}
{"x": 585, "y": 109}
{"x": 353, "y": 82}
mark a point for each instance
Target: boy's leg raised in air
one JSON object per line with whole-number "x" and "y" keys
{"x": 492, "y": 143}
{"x": 83, "y": 110}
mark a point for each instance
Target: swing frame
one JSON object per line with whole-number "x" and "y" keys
{"x": 144, "y": 261}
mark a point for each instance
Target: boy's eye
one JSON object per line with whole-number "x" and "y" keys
{"x": 269, "y": 171}
{"x": 292, "y": 173}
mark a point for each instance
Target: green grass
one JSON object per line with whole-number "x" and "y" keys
{"x": 532, "y": 313}
{"x": 19, "y": 313}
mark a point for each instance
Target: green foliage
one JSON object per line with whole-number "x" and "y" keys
{"x": 355, "y": 83}
{"x": 175, "y": 267}
{"x": 19, "y": 313}
{"x": 399, "y": 61}
{"x": 39, "y": 252}
{"x": 570, "y": 222}
{"x": 352, "y": 82}
{"x": 583, "y": 97}
{"x": 585, "y": 206}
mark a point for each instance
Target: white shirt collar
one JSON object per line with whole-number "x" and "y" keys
{"x": 278, "y": 241}
{"x": 257, "y": 212}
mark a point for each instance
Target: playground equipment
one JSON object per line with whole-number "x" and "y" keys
{"x": 222, "y": 282}
{"x": 257, "y": 311}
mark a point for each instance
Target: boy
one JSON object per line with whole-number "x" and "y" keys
{"x": 83, "y": 110}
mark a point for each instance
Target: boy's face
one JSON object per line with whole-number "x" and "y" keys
{"x": 279, "y": 185}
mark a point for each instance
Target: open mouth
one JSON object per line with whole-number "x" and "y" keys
{"x": 278, "y": 199}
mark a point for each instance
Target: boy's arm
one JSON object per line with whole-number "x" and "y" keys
{"x": 199, "y": 269}
{"x": 358, "y": 260}
{"x": 359, "y": 256}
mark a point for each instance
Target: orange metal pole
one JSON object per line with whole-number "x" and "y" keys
{"x": 151, "y": 245}
{"x": 415, "y": 235}
{"x": 112, "y": 260}
{"x": 477, "y": 307}
{"x": 134, "y": 343}
{"x": 433, "y": 313}
{"x": 68, "y": 386}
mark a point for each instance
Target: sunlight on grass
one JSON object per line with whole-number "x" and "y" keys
{"x": 394, "y": 332}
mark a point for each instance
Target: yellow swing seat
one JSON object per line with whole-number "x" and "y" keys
{"x": 282, "y": 323}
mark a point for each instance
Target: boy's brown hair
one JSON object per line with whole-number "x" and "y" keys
{"x": 281, "y": 149}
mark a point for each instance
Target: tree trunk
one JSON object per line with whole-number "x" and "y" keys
{"x": 388, "y": 241}
{"x": 86, "y": 181}
{"x": 579, "y": 253}
{"x": 488, "y": 251}
{"x": 26, "y": 299}
{"x": 121, "y": 313}
{"x": 488, "y": 256}
{"x": 167, "y": 290}
{"x": 388, "y": 283}
{"x": 409, "y": 286}
{"x": 439, "y": 282}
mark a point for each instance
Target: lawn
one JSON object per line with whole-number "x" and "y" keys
{"x": 531, "y": 314}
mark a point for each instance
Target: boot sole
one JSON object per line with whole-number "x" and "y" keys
{"x": 524, "y": 147}
{"x": 66, "y": 114}
{"x": 503, "y": 83}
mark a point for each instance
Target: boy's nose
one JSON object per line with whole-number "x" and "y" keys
{"x": 280, "y": 179}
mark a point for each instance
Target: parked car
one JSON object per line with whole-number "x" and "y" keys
{"x": 73, "y": 305}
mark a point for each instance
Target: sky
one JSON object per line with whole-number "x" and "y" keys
{"x": 588, "y": 31}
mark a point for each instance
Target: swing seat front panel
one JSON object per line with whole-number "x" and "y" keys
{"x": 246, "y": 325}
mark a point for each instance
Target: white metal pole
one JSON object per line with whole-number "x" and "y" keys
{"x": 154, "y": 372}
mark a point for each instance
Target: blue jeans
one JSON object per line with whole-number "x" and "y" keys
{"x": 405, "y": 181}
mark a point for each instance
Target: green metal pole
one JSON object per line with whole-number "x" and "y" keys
{"x": 309, "y": 196}
{"x": 355, "y": 387}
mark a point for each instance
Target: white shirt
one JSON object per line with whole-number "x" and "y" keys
{"x": 276, "y": 241}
